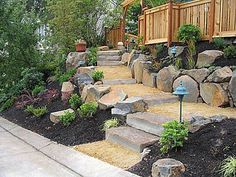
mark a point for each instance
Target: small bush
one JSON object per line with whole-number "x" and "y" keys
{"x": 97, "y": 75}
{"x": 179, "y": 63}
{"x": 230, "y": 52}
{"x": 87, "y": 110}
{"x": 92, "y": 56}
{"x": 7, "y": 104}
{"x": 228, "y": 167}
{"x": 37, "y": 112}
{"x": 37, "y": 90}
{"x": 173, "y": 135}
{"x": 67, "y": 118}
{"x": 219, "y": 43}
{"x": 188, "y": 33}
{"x": 66, "y": 76}
{"x": 159, "y": 48}
{"x": 75, "y": 101}
{"x": 114, "y": 122}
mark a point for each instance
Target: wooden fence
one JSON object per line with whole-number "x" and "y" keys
{"x": 216, "y": 18}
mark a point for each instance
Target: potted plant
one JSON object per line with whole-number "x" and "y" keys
{"x": 80, "y": 45}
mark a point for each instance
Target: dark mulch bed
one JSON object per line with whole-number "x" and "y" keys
{"x": 79, "y": 132}
{"x": 201, "y": 154}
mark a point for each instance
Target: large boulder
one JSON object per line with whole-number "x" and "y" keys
{"x": 232, "y": 87}
{"x": 92, "y": 93}
{"x": 165, "y": 78}
{"x": 66, "y": 90}
{"x": 88, "y": 70}
{"x": 134, "y": 56}
{"x": 208, "y": 57}
{"x": 220, "y": 75}
{"x": 191, "y": 86}
{"x": 198, "y": 75}
{"x": 76, "y": 59}
{"x": 132, "y": 105}
{"x": 137, "y": 69}
{"x": 213, "y": 94}
{"x": 167, "y": 168}
{"x": 149, "y": 78}
{"x": 82, "y": 80}
{"x": 109, "y": 100}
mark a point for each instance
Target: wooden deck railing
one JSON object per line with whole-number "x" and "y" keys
{"x": 216, "y": 18}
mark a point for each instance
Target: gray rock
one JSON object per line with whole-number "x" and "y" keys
{"x": 132, "y": 57}
{"x": 214, "y": 94}
{"x": 66, "y": 90}
{"x": 125, "y": 58}
{"x": 83, "y": 79}
{"x": 220, "y": 75}
{"x": 191, "y": 86}
{"x": 132, "y": 105}
{"x": 76, "y": 59}
{"x": 197, "y": 122}
{"x": 137, "y": 69}
{"x": 118, "y": 113}
{"x": 88, "y": 70}
{"x": 167, "y": 168}
{"x": 103, "y": 48}
{"x": 198, "y": 75}
{"x": 208, "y": 57}
{"x": 165, "y": 78}
{"x": 149, "y": 79}
{"x": 232, "y": 87}
{"x": 218, "y": 118}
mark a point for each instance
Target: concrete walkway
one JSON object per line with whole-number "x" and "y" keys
{"x": 27, "y": 154}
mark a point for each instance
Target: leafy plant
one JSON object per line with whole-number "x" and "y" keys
{"x": 179, "y": 63}
{"x": 189, "y": 32}
{"x": 66, "y": 76}
{"x": 92, "y": 56}
{"x": 114, "y": 122}
{"x": 38, "y": 89}
{"x": 228, "y": 167}
{"x": 75, "y": 101}
{"x": 159, "y": 48}
{"x": 87, "y": 110}
{"x": 230, "y": 52}
{"x": 219, "y": 43}
{"x": 97, "y": 75}
{"x": 7, "y": 104}
{"x": 67, "y": 118}
{"x": 173, "y": 135}
{"x": 190, "y": 60}
{"x": 144, "y": 49}
{"x": 37, "y": 112}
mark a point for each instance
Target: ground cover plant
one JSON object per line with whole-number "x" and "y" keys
{"x": 75, "y": 101}
{"x": 67, "y": 75}
{"x": 67, "y": 118}
{"x": 111, "y": 123}
{"x": 87, "y": 110}
{"x": 37, "y": 112}
{"x": 92, "y": 56}
{"x": 228, "y": 167}
{"x": 97, "y": 75}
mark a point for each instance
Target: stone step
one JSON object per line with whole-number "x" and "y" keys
{"x": 109, "y": 63}
{"x": 148, "y": 122}
{"x": 119, "y": 81}
{"x": 109, "y": 58}
{"x": 131, "y": 138}
{"x": 153, "y": 100}
{"x": 110, "y": 53}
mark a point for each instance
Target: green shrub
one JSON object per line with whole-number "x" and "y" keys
{"x": 173, "y": 135}
{"x": 66, "y": 76}
{"x": 75, "y": 101}
{"x": 87, "y": 110}
{"x": 97, "y": 75}
{"x": 38, "y": 89}
{"x": 159, "y": 48}
{"x": 144, "y": 49}
{"x": 219, "y": 43}
{"x": 92, "y": 56}
{"x": 114, "y": 122}
{"x": 228, "y": 167}
{"x": 179, "y": 63}
{"x": 188, "y": 33}
{"x": 7, "y": 104}
{"x": 230, "y": 52}
{"x": 67, "y": 118}
{"x": 37, "y": 112}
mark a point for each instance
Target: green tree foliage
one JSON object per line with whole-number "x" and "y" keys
{"x": 132, "y": 18}
{"x": 17, "y": 41}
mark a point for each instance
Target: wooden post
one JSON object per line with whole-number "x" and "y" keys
{"x": 170, "y": 31}
{"x": 144, "y": 27}
{"x": 212, "y": 20}
{"x": 122, "y": 27}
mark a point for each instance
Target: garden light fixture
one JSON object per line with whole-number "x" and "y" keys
{"x": 174, "y": 51}
{"x": 181, "y": 91}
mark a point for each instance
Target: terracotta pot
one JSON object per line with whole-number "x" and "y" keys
{"x": 80, "y": 46}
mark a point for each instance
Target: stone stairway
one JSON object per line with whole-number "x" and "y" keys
{"x": 143, "y": 130}
{"x": 109, "y": 58}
